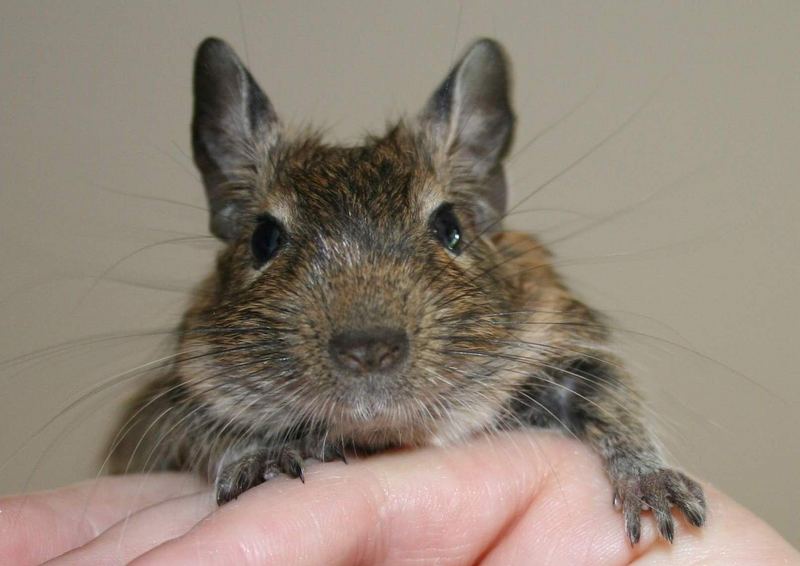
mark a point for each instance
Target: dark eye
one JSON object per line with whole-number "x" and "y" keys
{"x": 446, "y": 229}
{"x": 267, "y": 239}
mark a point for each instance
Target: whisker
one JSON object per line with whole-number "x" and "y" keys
{"x": 99, "y": 278}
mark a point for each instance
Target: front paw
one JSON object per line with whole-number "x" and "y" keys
{"x": 260, "y": 465}
{"x": 659, "y": 490}
{"x": 255, "y": 468}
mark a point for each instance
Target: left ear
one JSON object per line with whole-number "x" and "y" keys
{"x": 469, "y": 120}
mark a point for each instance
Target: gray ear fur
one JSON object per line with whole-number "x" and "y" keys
{"x": 470, "y": 121}
{"x": 234, "y": 125}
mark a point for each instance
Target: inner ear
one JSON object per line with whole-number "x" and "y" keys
{"x": 233, "y": 130}
{"x": 470, "y": 114}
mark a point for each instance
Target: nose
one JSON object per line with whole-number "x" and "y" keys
{"x": 369, "y": 351}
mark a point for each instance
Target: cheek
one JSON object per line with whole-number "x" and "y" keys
{"x": 462, "y": 301}
{"x": 463, "y": 332}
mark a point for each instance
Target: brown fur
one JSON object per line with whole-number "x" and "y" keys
{"x": 496, "y": 339}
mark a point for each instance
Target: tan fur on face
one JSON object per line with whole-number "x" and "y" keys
{"x": 361, "y": 254}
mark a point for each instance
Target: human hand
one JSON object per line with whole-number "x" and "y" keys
{"x": 524, "y": 498}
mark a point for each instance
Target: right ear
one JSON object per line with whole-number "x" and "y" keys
{"x": 233, "y": 129}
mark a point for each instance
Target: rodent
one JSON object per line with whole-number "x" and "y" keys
{"x": 368, "y": 297}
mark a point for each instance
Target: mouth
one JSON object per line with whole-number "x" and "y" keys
{"x": 378, "y": 412}
{"x": 381, "y": 420}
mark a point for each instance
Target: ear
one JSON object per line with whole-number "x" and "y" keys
{"x": 233, "y": 129}
{"x": 469, "y": 119}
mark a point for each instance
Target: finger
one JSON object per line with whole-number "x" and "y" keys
{"x": 134, "y": 535}
{"x": 451, "y": 505}
{"x": 575, "y": 525}
{"x": 732, "y": 536}
{"x": 571, "y": 521}
{"x": 38, "y": 526}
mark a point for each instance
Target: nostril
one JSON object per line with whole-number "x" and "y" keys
{"x": 388, "y": 358}
{"x": 354, "y": 359}
{"x": 370, "y": 350}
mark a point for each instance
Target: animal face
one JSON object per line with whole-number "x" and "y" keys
{"x": 359, "y": 295}
{"x": 360, "y": 289}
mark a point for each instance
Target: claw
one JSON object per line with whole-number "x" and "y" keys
{"x": 292, "y": 464}
{"x": 666, "y": 525}
{"x": 659, "y": 491}
{"x": 632, "y": 512}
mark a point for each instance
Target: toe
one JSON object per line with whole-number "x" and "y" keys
{"x": 687, "y": 495}
{"x": 632, "y": 510}
{"x": 665, "y": 523}
{"x": 291, "y": 463}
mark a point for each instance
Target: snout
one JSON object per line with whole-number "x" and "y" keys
{"x": 369, "y": 351}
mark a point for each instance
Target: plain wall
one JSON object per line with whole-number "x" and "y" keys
{"x": 683, "y": 226}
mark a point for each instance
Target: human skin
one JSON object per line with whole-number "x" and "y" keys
{"x": 522, "y": 498}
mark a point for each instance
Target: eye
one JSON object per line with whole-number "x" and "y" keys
{"x": 446, "y": 229}
{"x": 267, "y": 239}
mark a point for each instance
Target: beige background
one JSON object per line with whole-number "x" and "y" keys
{"x": 696, "y": 256}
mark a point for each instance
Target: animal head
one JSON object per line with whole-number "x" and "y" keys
{"x": 361, "y": 289}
